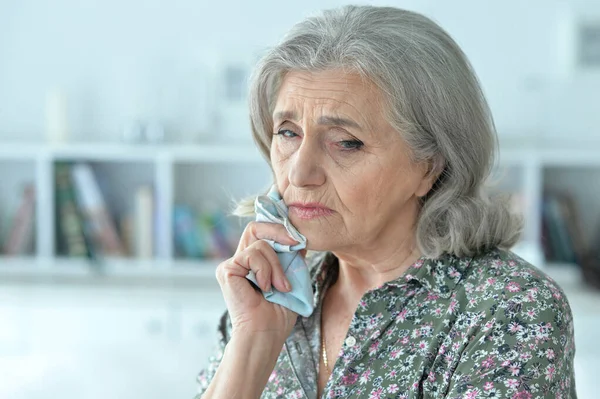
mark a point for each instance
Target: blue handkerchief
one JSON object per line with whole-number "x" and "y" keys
{"x": 271, "y": 208}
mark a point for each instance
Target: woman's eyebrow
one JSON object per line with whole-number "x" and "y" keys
{"x": 323, "y": 120}
{"x": 281, "y": 115}
{"x": 338, "y": 121}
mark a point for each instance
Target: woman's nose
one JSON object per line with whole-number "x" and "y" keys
{"x": 305, "y": 168}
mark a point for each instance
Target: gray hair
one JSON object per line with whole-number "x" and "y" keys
{"x": 433, "y": 99}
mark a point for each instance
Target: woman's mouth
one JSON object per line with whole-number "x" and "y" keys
{"x": 309, "y": 212}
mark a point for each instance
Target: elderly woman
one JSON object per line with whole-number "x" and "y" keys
{"x": 380, "y": 141}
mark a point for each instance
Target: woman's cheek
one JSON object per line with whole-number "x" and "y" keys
{"x": 284, "y": 149}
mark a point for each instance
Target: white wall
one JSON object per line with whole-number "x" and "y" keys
{"x": 120, "y": 60}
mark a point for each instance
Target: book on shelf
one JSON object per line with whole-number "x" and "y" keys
{"x": 187, "y": 234}
{"x": 91, "y": 203}
{"x": 143, "y": 223}
{"x": 71, "y": 238}
{"x": 20, "y": 237}
{"x": 202, "y": 234}
{"x": 562, "y": 235}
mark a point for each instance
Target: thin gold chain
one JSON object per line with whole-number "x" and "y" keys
{"x": 324, "y": 349}
{"x": 324, "y": 352}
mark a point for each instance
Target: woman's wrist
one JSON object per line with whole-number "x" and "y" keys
{"x": 246, "y": 366}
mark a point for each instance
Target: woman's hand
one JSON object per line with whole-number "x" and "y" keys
{"x": 249, "y": 311}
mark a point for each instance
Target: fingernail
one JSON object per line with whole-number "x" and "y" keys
{"x": 287, "y": 285}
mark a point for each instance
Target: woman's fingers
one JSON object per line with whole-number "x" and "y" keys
{"x": 254, "y": 259}
{"x": 278, "y": 278}
{"x": 262, "y": 260}
{"x": 256, "y": 231}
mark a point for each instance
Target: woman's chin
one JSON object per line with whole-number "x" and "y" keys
{"x": 317, "y": 242}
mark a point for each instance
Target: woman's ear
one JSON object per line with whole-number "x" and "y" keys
{"x": 433, "y": 170}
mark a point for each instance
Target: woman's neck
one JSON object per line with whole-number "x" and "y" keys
{"x": 356, "y": 276}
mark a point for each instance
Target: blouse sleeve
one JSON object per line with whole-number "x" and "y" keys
{"x": 523, "y": 349}
{"x": 206, "y": 375}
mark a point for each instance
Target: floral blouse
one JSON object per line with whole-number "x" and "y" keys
{"x": 490, "y": 326}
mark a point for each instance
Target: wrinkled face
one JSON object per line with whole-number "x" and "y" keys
{"x": 344, "y": 172}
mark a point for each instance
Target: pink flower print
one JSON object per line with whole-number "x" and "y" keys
{"x": 349, "y": 379}
{"x": 514, "y": 369}
{"x": 511, "y": 383}
{"x": 514, "y": 327}
{"x": 432, "y": 297}
{"x": 488, "y": 363}
{"x": 550, "y": 354}
{"x": 454, "y": 273}
{"x": 542, "y": 331}
{"x": 402, "y": 315}
{"x": 472, "y": 393}
{"x": 556, "y": 295}
{"x": 532, "y": 314}
{"x": 513, "y": 286}
{"x": 364, "y": 377}
{"x": 373, "y": 348}
{"x": 376, "y": 394}
{"x": 272, "y": 376}
{"x": 525, "y": 356}
{"x": 395, "y": 354}
{"x": 280, "y": 390}
{"x": 452, "y": 306}
{"x": 522, "y": 395}
{"x": 431, "y": 377}
{"x": 423, "y": 345}
{"x": 442, "y": 350}
{"x": 405, "y": 340}
{"x": 550, "y": 371}
{"x": 488, "y": 385}
{"x": 393, "y": 388}
{"x": 438, "y": 311}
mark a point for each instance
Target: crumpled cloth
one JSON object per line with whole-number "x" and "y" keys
{"x": 271, "y": 208}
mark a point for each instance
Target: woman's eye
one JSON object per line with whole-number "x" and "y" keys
{"x": 351, "y": 144}
{"x": 286, "y": 133}
{"x": 346, "y": 145}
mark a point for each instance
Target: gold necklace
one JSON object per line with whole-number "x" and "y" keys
{"x": 324, "y": 352}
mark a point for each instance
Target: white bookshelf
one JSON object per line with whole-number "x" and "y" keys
{"x": 217, "y": 173}
{"x": 189, "y": 174}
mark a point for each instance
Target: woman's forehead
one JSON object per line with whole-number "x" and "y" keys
{"x": 331, "y": 93}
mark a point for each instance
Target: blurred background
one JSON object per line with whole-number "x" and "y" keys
{"x": 124, "y": 138}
